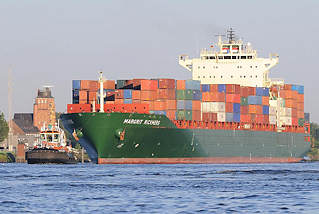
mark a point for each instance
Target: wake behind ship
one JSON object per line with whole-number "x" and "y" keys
{"x": 230, "y": 112}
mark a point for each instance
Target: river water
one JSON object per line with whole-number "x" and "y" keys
{"x": 90, "y": 188}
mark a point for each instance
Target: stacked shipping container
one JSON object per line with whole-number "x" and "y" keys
{"x": 189, "y": 100}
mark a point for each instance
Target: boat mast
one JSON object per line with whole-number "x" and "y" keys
{"x": 101, "y": 92}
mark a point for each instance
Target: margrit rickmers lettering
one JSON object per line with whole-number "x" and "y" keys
{"x": 141, "y": 121}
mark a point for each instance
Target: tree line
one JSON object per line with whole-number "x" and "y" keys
{"x": 4, "y": 128}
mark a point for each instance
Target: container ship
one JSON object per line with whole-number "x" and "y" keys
{"x": 229, "y": 112}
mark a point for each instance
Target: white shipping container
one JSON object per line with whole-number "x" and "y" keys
{"x": 205, "y": 107}
{"x": 272, "y": 119}
{"x": 273, "y": 103}
{"x": 286, "y": 112}
{"x": 217, "y": 107}
{"x": 221, "y": 117}
{"x": 286, "y": 120}
{"x": 272, "y": 110}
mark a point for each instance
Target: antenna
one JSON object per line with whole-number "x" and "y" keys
{"x": 231, "y": 35}
{"x": 9, "y": 141}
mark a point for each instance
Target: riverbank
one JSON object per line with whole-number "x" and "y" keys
{"x": 6, "y": 157}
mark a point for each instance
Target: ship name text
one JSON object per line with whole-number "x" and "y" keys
{"x": 141, "y": 121}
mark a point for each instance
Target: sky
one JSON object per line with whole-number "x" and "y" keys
{"x": 54, "y": 42}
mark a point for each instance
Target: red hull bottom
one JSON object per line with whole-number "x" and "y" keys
{"x": 208, "y": 160}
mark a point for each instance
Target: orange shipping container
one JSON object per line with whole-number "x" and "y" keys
{"x": 196, "y": 105}
{"x": 136, "y": 94}
{"x": 252, "y": 109}
{"x": 149, "y": 85}
{"x": 289, "y": 103}
{"x": 232, "y": 89}
{"x": 159, "y": 105}
{"x": 300, "y": 114}
{"x": 92, "y": 96}
{"x": 294, "y": 121}
{"x": 85, "y": 84}
{"x": 83, "y": 95}
{"x": 180, "y": 84}
{"x": 109, "y": 84}
{"x": 244, "y": 91}
{"x": 251, "y": 91}
{"x": 93, "y": 85}
{"x": 148, "y": 95}
{"x": 171, "y": 104}
{"x": 300, "y": 106}
{"x": 136, "y": 101}
{"x": 300, "y": 98}
{"x": 213, "y": 88}
{"x": 119, "y": 94}
{"x": 287, "y": 87}
{"x": 265, "y": 101}
{"x": 233, "y": 98}
{"x": 119, "y": 101}
{"x": 259, "y": 109}
{"x": 245, "y": 118}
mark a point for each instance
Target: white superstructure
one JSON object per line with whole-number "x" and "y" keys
{"x": 234, "y": 63}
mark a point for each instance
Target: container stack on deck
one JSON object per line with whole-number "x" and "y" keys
{"x": 189, "y": 100}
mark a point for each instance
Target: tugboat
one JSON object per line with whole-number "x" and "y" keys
{"x": 51, "y": 149}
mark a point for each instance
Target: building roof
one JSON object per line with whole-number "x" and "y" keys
{"x": 25, "y": 122}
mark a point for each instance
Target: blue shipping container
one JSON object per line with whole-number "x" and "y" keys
{"x": 184, "y": 104}
{"x": 254, "y": 100}
{"x": 197, "y": 95}
{"x": 229, "y": 117}
{"x": 266, "y": 92}
{"x": 265, "y": 109}
{"x": 205, "y": 87}
{"x": 127, "y": 94}
{"x": 76, "y": 84}
{"x": 236, "y": 117}
{"x": 192, "y": 84}
{"x": 221, "y": 88}
{"x": 127, "y": 101}
{"x": 236, "y": 107}
{"x": 158, "y": 112}
{"x": 260, "y": 91}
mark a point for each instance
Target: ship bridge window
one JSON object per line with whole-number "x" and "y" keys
{"x": 227, "y": 57}
{"x": 203, "y": 67}
{"x": 220, "y": 57}
{"x": 233, "y": 57}
{"x": 56, "y": 137}
{"x": 250, "y": 57}
{"x": 267, "y": 65}
{"x": 243, "y": 57}
{"x": 212, "y": 57}
{"x": 49, "y": 138}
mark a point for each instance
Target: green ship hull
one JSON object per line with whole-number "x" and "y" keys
{"x": 145, "y": 138}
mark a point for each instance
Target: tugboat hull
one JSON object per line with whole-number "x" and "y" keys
{"x": 49, "y": 156}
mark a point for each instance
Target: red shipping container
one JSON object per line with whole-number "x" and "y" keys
{"x": 136, "y": 94}
{"x": 166, "y": 83}
{"x": 266, "y": 119}
{"x": 109, "y": 102}
{"x": 109, "y": 84}
{"x": 229, "y": 107}
{"x": 166, "y": 94}
{"x": 232, "y": 89}
{"x": 206, "y": 97}
{"x": 136, "y": 82}
{"x": 196, "y": 105}
{"x": 149, "y": 103}
{"x": 294, "y": 121}
{"x": 148, "y": 95}
{"x": 294, "y": 112}
{"x": 233, "y": 98}
{"x": 149, "y": 85}
{"x": 119, "y": 94}
{"x": 300, "y": 98}
{"x": 180, "y": 84}
{"x": 213, "y": 87}
{"x": 244, "y": 91}
{"x": 251, "y": 91}
{"x": 289, "y": 103}
{"x": 196, "y": 115}
{"x": 159, "y": 105}
{"x": 252, "y": 118}
{"x": 171, "y": 104}
{"x": 110, "y": 93}
{"x": 217, "y": 97}
{"x": 245, "y": 118}
{"x": 171, "y": 114}
{"x": 300, "y": 106}
{"x": 265, "y": 101}
{"x": 77, "y": 108}
{"x": 244, "y": 109}
{"x": 209, "y": 117}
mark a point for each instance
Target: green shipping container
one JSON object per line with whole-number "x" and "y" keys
{"x": 301, "y": 122}
{"x": 184, "y": 115}
{"x": 184, "y": 94}
{"x": 244, "y": 101}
